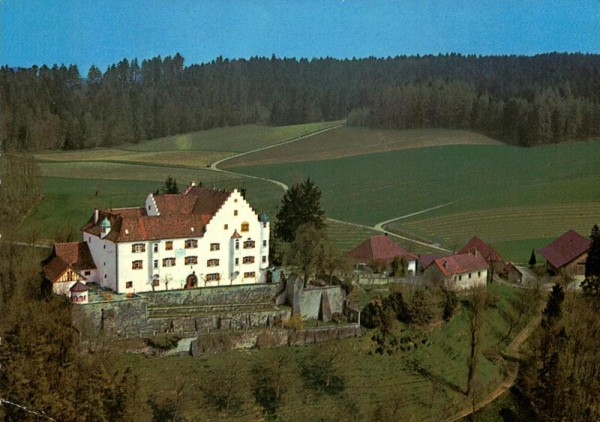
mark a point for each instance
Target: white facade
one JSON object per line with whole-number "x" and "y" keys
{"x": 232, "y": 248}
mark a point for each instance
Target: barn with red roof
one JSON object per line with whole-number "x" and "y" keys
{"x": 462, "y": 271}
{"x": 567, "y": 254}
{"x": 383, "y": 249}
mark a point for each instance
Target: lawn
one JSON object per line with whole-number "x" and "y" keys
{"x": 67, "y": 204}
{"x": 426, "y": 383}
{"x": 232, "y": 139}
{"x": 516, "y": 194}
{"x": 352, "y": 141}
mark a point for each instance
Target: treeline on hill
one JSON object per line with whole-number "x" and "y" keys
{"x": 522, "y": 100}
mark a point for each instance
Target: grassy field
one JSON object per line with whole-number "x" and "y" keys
{"x": 68, "y": 203}
{"x": 426, "y": 383}
{"x": 232, "y": 139}
{"x": 516, "y": 196}
{"x": 352, "y": 141}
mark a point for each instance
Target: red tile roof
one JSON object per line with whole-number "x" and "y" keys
{"x": 74, "y": 255}
{"x": 379, "y": 248}
{"x": 182, "y": 215}
{"x": 426, "y": 260}
{"x": 485, "y": 250}
{"x": 79, "y": 287}
{"x": 460, "y": 264}
{"x": 565, "y": 249}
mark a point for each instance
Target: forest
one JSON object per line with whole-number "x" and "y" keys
{"x": 521, "y": 100}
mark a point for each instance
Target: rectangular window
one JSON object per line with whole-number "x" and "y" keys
{"x": 136, "y": 265}
{"x": 155, "y": 247}
{"x": 212, "y": 263}
{"x": 245, "y": 227}
{"x": 215, "y": 246}
{"x": 138, "y": 247}
{"x": 264, "y": 259}
{"x": 169, "y": 262}
{"x": 249, "y": 244}
{"x": 156, "y": 263}
{"x": 250, "y": 274}
{"x": 213, "y": 277}
{"x": 169, "y": 245}
{"x": 248, "y": 260}
{"x": 128, "y": 284}
{"x": 191, "y": 243}
{"x": 264, "y": 243}
{"x": 237, "y": 261}
{"x": 191, "y": 260}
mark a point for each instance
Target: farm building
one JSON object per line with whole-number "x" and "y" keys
{"x": 69, "y": 264}
{"x": 199, "y": 238}
{"x": 491, "y": 256}
{"x": 425, "y": 261}
{"x": 382, "y": 249}
{"x": 461, "y": 271}
{"x": 567, "y": 254}
{"x": 519, "y": 275}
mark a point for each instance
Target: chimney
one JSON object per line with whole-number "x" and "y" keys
{"x": 96, "y": 214}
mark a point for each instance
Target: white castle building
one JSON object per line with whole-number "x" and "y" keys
{"x": 199, "y": 238}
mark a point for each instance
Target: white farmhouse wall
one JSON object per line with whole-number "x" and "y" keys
{"x": 104, "y": 254}
{"x": 468, "y": 280}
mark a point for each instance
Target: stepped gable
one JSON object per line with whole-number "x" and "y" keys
{"x": 460, "y": 264}
{"x": 379, "y": 248}
{"x": 565, "y": 249}
{"x": 73, "y": 255}
{"x": 181, "y": 215}
{"x": 476, "y": 245}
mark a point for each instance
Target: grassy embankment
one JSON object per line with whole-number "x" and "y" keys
{"x": 516, "y": 199}
{"x": 426, "y": 383}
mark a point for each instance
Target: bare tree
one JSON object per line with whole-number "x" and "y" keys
{"x": 477, "y": 303}
{"x": 305, "y": 250}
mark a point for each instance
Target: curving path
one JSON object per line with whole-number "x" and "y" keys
{"x": 378, "y": 227}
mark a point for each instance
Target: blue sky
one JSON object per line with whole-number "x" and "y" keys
{"x": 102, "y": 32}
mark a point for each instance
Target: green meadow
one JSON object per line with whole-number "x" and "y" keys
{"x": 425, "y": 383}
{"x": 510, "y": 196}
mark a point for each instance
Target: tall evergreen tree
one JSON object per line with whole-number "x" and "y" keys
{"x": 301, "y": 204}
{"x": 591, "y": 284}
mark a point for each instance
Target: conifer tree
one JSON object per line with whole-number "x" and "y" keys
{"x": 301, "y": 204}
{"x": 532, "y": 259}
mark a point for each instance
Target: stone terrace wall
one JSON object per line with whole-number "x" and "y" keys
{"x": 187, "y": 312}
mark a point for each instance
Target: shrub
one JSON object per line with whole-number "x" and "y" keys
{"x": 163, "y": 341}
